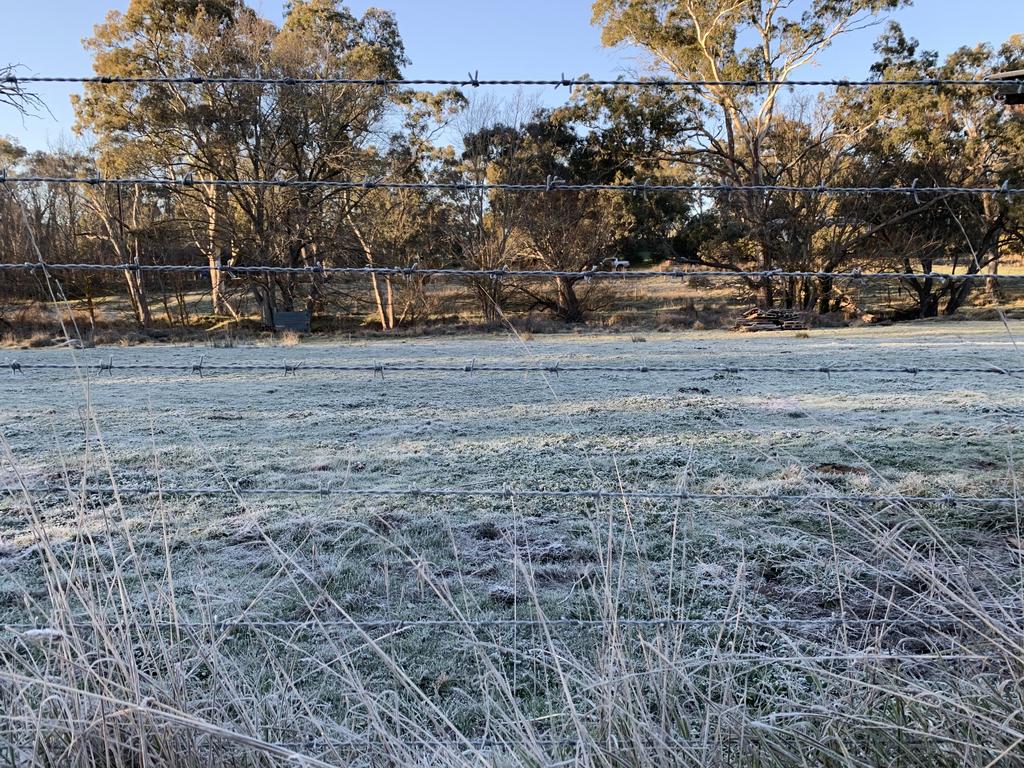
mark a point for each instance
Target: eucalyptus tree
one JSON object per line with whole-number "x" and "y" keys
{"x": 402, "y": 227}
{"x": 565, "y": 231}
{"x": 710, "y": 41}
{"x": 628, "y": 136}
{"x": 481, "y": 228}
{"x": 162, "y": 128}
{"x": 268, "y": 132}
{"x": 560, "y": 230}
{"x": 609, "y": 136}
{"x": 948, "y": 136}
{"x": 12, "y": 227}
{"x": 12, "y": 155}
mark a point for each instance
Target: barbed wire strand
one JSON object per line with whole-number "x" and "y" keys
{"x": 856, "y": 275}
{"x": 527, "y": 744}
{"x": 499, "y": 623}
{"x": 593, "y": 494}
{"x": 721, "y": 658}
{"x": 203, "y": 369}
{"x": 381, "y": 369}
{"x": 551, "y": 184}
{"x": 473, "y": 80}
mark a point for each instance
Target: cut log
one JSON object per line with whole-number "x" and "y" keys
{"x": 757, "y": 319}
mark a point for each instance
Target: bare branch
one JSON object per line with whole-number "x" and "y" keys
{"x": 13, "y": 94}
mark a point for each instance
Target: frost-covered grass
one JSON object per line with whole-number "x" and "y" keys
{"x": 254, "y": 631}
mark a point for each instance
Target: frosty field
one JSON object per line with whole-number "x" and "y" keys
{"x": 329, "y": 629}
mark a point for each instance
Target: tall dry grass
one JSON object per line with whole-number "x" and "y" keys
{"x": 116, "y": 673}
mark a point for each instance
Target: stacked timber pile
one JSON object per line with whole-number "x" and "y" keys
{"x": 771, "y": 320}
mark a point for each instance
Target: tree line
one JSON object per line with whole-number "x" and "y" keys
{"x": 730, "y": 136}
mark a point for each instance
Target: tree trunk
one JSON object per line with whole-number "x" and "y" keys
{"x": 113, "y": 223}
{"x": 137, "y": 296}
{"x": 766, "y": 286}
{"x": 217, "y": 250}
{"x": 765, "y": 293}
{"x": 378, "y": 299}
{"x": 958, "y": 294}
{"x": 929, "y": 301}
{"x": 825, "y": 287}
{"x": 145, "y": 314}
{"x": 389, "y": 282}
{"x": 568, "y": 307}
{"x": 385, "y": 317}
{"x": 488, "y": 291}
{"x": 90, "y": 303}
{"x": 216, "y": 261}
{"x": 264, "y": 296}
{"x": 992, "y": 284}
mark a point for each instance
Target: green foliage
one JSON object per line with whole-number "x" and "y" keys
{"x": 944, "y": 136}
{"x": 708, "y": 38}
{"x": 252, "y": 131}
{"x": 11, "y": 152}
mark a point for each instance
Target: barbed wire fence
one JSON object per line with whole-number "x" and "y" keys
{"x": 201, "y": 368}
{"x": 594, "y": 274}
{"x": 473, "y": 80}
{"x": 511, "y": 494}
{"x": 552, "y": 185}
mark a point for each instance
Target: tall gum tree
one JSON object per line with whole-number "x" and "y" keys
{"x": 481, "y": 229}
{"x": 721, "y": 40}
{"x": 943, "y": 136}
{"x": 258, "y": 131}
{"x": 167, "y": 128}
{"x": 398, "y": 227}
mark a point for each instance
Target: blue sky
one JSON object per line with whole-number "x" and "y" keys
{"x": 448, "y": 38}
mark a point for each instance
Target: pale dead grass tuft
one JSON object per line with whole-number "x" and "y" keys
{"x": 287, "y": 339}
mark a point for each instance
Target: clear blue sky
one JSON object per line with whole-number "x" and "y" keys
{"x": 448, "y": 38}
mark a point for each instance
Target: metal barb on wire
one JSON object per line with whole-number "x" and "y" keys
{"x": 553, "y": 182}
